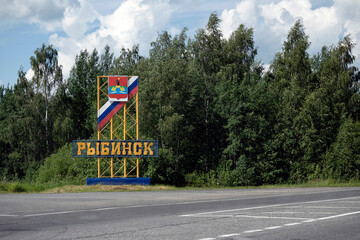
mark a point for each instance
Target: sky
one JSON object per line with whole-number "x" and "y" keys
{"x": 75, "y": 25}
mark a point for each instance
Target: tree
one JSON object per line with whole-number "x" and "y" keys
{"x": 82, "y": 90}
{"x": 291, "y": 69}
{"x": 246, "y": 105}
{"x": 47, "y": 77}
{"x": 106, "y": 61}
{"x": 343, "y": 157}
{"x": 22, "y": 128}
{"x": 209, "y": 57}
{"x": 6, "y": 112}
{"x": 325, "y": 108}
{"x": 127, "y": 62}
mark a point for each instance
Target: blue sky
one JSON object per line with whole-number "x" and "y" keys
{"x": 74, "y": 25}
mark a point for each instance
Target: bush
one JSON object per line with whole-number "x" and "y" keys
{"x": 3, "y": 187}
{"x": 56, "y": 166}
{"x": 62, "y": 167}
{"x": 166, "y": 168}
{"x": 16, "y": 187}
{"x": 196, "y": 179}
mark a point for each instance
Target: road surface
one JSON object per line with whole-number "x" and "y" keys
{"x": 291, "y": 213}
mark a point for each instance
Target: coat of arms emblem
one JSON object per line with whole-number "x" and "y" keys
{"x": 118, "y": 89}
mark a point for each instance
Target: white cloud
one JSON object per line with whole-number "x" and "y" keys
{"x": 321, "y": 24}
{"x": 174, "y": 31}
{"x": 77, "y": 25}
{"x": 46, "y": 13}
{"x": 76, "y": 19}
{"x": 29, "y": 74}
{"x": 244, "y": 13}
{"x": 133, "y": 22}
{"x": 349, "y": 13}
{"x": 324, "y": 25}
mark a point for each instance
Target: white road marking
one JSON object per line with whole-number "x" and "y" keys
{"x": 184, "y": 203}
{"x": 52, "y": 213}
{"x": 308, "y": 220}
{"x": 292, "y": 224}
{"x": 8, "y": 215}
{"x": 229, "y": 235}
{"x": 266, "y": 206}
{"x": 253, "y": 231}
{"x": 246, "y": 216}
{"x": 267, "y": 217}
{"x": 330, "y": 207}
{"x": 285, "y": 225}
{"x": 337, "y": 216}
{"x": 215, "y": 216}
{"x": 283, "y": 212}
{"x": 299, "y": 212}
{"x": 231, "y": 210}
{"x": 274, "y": 227}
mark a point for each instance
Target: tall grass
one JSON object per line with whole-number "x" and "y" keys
{"x": 31, "y": 187}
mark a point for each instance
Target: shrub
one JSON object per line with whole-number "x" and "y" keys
{"x": 16, "y": 187}
{"x": 62, "y": 167}
{"x": 196, "y": 179}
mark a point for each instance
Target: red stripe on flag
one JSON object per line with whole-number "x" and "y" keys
{"x": 110, "y": 115}
{"x": 133, "y": 92}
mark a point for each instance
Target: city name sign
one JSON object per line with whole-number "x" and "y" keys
{"x": 115, "y": 148}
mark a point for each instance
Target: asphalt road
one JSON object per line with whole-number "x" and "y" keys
{"x": 294, "y": 214}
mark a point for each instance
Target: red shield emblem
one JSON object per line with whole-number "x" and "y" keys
{"x": 118, "y": 89}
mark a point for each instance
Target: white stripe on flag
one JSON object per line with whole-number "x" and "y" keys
{"x": 131, "y": 80}
{"x": 103, "y": 108}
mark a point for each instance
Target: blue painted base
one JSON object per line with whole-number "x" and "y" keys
{"x": 118, "y": 181}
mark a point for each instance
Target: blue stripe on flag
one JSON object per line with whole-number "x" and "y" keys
{"x": 132, "y": 86}
{"x": 107, "y": 111}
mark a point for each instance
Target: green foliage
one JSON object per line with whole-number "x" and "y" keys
{"x": 166, "y": 168}
{"x": 342, "y": 160}
{"x": 47, "y": 76}
{"x": 62, "y": 167}
{"x": 16, "y": 187}
{"x": 82, "y": 94}
{"x": 220, "y": 120}
{"x": 56, "y": 166}
{"x": 196, "y": 179}
{"x": 28, "y": 187}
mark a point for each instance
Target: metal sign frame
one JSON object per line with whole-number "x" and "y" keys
{"x": 124, "y": 125}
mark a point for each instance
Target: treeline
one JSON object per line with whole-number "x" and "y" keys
{"x": 219, "y": 117}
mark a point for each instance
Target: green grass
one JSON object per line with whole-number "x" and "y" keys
{"x": 73, "y": 187}
{"x": 23, "y": 187}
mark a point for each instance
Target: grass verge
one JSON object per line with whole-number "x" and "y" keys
{"x": 70, "y": 187}
{"x": 74, "y": 187}
{"x": 107, "y": 188}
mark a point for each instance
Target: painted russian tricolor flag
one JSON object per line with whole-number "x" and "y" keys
{"x": 110, "y": 108}
{"x": 132, "y": 86}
